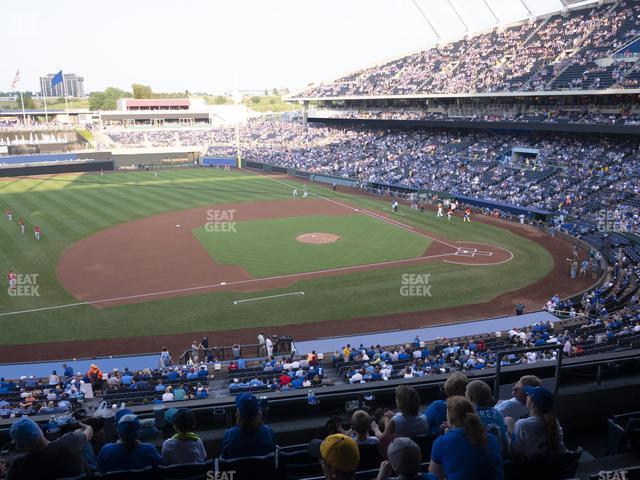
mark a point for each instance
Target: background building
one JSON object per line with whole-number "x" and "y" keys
{"x": 73, "y": 83}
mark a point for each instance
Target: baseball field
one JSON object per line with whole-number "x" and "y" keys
{"x": 130, "y": 262}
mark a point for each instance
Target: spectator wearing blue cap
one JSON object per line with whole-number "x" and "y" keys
{"x": 128, "y": 452}
{"x": 516, "y": 407}
{"x": 540, "y": 433}
{"x": 250, "y": 437}
{"x": 185, "y": 446}
{"x": 43, "y": 459}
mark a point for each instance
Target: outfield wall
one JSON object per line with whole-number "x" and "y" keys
{"x": 218, "y": 161}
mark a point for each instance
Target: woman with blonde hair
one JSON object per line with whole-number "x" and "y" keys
{"x": 465, "y": 451}
{"x": 407, "y": 422}
{"x": 167, "y": 396}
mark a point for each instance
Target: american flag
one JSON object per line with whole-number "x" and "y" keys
{"x": 15, "y": 80}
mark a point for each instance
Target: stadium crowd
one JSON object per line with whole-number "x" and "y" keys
{"x": 508, "y": 431}
{"x": 575, "y": 176}
{"x": 496, "y": 113}
{"x": 571, "y": 175}
{"x": 558, "y": 52}
{"x": 167, "y": 137}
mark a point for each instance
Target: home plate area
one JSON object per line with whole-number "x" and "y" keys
{"x": 472, "y": 252}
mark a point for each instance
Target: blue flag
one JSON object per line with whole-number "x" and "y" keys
{"x": 56, "y": 79}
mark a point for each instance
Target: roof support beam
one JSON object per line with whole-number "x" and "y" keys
{"x": 486, "y": 2}
{"x": 426, "y": 18}
{"x": 459, "y": 16}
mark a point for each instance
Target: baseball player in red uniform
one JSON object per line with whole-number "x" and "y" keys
{"x": 36, "y": 232}
{"x": 21, "y": 222}
{"x": 12, "y": 278}
{"x": 467, "y": 215}
{"x": 449, "y": 213}
{"x": 8, "y": 214}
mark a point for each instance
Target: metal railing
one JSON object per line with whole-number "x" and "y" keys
{"x": 544, "y": 348}
{"x": 281, "y": 346}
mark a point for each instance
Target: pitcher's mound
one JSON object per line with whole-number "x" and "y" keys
{"x": 317, "y": 238}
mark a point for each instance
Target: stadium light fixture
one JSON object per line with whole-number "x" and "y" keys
{"x": 426, "y": 18}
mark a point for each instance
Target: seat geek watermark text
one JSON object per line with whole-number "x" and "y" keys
{"x": 221, "y": 221}
{"x": 24, "y": 285}
{"x": 221, "y": 475}
{"x": 415, "y": 285}
{"x": 613, "y": 475}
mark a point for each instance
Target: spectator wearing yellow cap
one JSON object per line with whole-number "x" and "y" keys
{"x": 338, "y": 455}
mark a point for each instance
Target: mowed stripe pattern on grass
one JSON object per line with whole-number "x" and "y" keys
{"x": 267, "y": 248}
{"x": 70, "y": 208}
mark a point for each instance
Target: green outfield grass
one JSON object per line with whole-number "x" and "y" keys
{"x": 267, "y": 248}
{"x": 71, "y": 207}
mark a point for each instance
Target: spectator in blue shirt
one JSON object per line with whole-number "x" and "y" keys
{"x": 436, "y": 413}
{"x": 128, "y": 452}
{"x": 250, "y": 437}
{"x": 67, "y": 371}
{"x": 256, "y": 383}
{"x": 479, "y": 394}
{"x": 465, "y": 451}
{"x": 126, "y": 379}
{"x": 179, "y": 393}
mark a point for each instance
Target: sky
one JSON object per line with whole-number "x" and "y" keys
{"x": 218, "y": 46}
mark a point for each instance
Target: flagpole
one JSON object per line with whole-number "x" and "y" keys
{"x": 24, "y": 117}
{"x": 66, "y": 103}
{"x": 44, "y": 97}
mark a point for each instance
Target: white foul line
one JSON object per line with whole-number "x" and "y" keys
{"x": 236, "y": 302}
{"x": 368, "y": 213}
{"x": 226, "y": 284}
{"x": 254, "y": 280}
